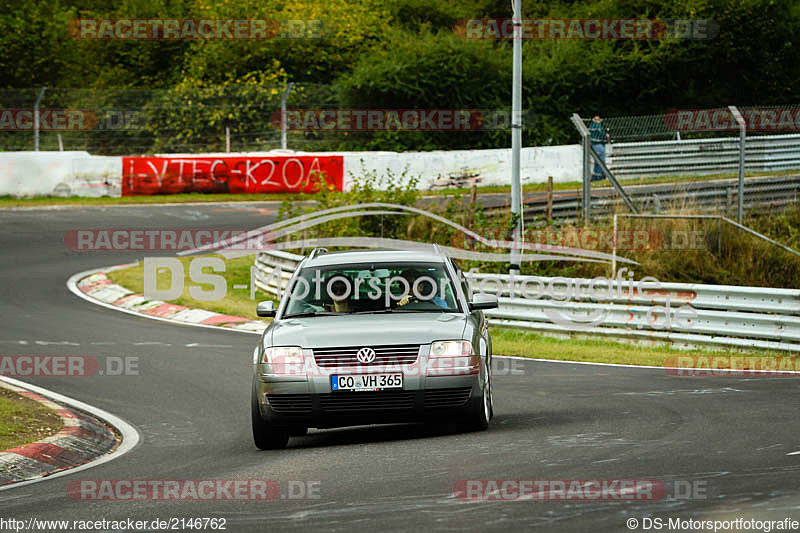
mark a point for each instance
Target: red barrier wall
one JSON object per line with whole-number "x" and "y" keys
{"x": 265, "y": 174}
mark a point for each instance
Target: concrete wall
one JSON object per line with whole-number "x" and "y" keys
{"x": 59, "y": 174}
{"x": 82, "y": 174}
{"x": 465, "y": 167}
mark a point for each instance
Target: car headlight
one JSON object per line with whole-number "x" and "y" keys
{"x": 283, "y": 354}
{"x": 451, "y": 348}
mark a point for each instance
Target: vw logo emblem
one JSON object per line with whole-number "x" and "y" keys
{"x": 365, "y": 355}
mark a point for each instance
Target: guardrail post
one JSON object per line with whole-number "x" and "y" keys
{"x": 742, "y": 137}
{"x": 614, "y": 250}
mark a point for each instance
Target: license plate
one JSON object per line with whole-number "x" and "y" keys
{"x": 366, "y": 382}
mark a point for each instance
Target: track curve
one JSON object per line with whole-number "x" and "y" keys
{"x": 553, "y": 421}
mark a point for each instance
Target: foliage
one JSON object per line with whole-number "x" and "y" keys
{"x": 395, "y": 54}
{"x": 368, "y": 188}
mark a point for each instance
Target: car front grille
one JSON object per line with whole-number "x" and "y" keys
{"x": 398, "y": 354}
{"x": 446, "y": 398}
{"x": 367, "y": 401}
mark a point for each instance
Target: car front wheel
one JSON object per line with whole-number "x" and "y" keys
{"x": 483, "y": 409}
{"x": 266, "y": 436}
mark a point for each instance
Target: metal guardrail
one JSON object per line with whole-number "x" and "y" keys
{"x": 723, "y": 315}
{"x": 765, "y": 153}
{"x": 699, "y": 196}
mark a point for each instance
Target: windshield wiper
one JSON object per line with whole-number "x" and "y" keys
{"x": 314, "y": 313}
{"x": 382, "y": 311}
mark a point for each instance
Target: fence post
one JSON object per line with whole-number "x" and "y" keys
{"x": 36, "y": 119}
{"x": 742, "y": 136}
{"x": 577, "y": 121}
{"x": 283, "y": 114}
{"x": 549, "y": 211}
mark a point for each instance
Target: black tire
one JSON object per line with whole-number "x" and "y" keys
{"x": 482, "y": 411}
{"x": 298, "y": 431}
{"x": 266, "y": 436}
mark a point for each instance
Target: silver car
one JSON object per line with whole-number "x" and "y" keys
{"x": 367, "y": 337}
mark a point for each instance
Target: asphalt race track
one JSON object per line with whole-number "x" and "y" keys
{"x": 735, "y": 436}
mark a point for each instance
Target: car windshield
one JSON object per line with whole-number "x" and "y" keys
{"x": 372, "y": 288}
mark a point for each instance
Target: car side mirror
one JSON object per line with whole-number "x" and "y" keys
{"x": 483, "y": 301}
{"x": 266, "y": 308}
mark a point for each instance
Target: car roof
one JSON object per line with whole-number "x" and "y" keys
{"x": 376, "y": 256}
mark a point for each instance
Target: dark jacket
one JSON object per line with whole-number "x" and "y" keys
{"x": 598, "y": 133}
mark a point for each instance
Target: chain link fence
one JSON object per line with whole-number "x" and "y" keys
{"x": 688, "y": 143}
{"x": 690, "y": 124}
{"x": 187, "y": 120}
{"x": 241, "y": 118}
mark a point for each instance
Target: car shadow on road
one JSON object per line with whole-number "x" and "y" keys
{"x": 501, "y": 423}
{"x": 376, "y": 433}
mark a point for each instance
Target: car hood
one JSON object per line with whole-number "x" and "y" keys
{"x": 368, "y": 330}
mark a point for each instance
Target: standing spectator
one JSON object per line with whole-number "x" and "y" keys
{"x": 599, "y": 137}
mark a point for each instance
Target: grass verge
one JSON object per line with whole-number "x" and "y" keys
{"x": 506, "y": 341}
{"x": 23, "y": 420}
{"x": 13, "y": 201}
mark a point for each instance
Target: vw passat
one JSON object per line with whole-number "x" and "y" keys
{"x": 364, "y": 337}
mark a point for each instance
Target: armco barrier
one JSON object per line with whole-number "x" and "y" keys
{"x": 765, "y": 153}
{"x": 699, "y": 196}
{"x": 745, "y": 317}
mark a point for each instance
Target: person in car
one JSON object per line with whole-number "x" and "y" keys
{"x": 424, "y": 288}
{"x": 338, "y": 289}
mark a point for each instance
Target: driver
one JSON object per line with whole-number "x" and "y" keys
{"x": 339, "y": 288}
{"x": 411, "y": 276}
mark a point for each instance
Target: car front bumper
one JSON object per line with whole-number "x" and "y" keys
{"x": 310, "y": 402}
